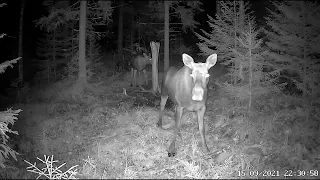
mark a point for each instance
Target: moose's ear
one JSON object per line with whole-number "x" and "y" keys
{"x": 187, "y": 60}
{"x": 211, "y": 60}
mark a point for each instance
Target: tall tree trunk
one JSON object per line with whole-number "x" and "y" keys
{"x": 54, "y": 56}
{"x": 218, "y": 11}
{"x": 139, "y": 37}
{"x": 241, "y": 18}
{"x": 82, "y": 43}
{"x": 73, "y": 50}
{"x": 166, "y": 34}
{"x": 132, "y": 34}
{"x": 20, "y": 53}
{"x": 120, "y": 32}
{"x": 241, "y": 25}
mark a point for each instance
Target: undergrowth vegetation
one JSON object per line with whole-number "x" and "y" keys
{"x": 109, "y": 136}
{"x": 254, "y": 127}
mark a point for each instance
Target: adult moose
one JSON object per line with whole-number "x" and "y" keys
{"x": 138, "y": 64}
{"x": 187, "y": 89}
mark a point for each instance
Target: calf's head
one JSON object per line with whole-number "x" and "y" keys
{"x": 199, "y": 74}
{"x": 147, "y": 56}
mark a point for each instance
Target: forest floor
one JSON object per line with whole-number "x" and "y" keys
{"x": 114, "y": 135}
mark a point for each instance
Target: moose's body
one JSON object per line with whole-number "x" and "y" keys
{"x": 187, "y": 89}
{"x": 138, "y": 64}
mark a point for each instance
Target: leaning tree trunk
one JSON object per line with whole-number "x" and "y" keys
{"x": 120, "y": 32}
{"x": 82, "y": 43}
{"x": 166, "y": 34}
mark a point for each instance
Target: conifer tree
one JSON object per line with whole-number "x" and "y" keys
{"x": 237, "y": 43}
{"x": 293, "y": 39}
{"x": 292, "y": 30}
{"x": 61, "y": 22}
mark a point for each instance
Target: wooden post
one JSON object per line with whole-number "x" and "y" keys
{"x": 155, "y": 54}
